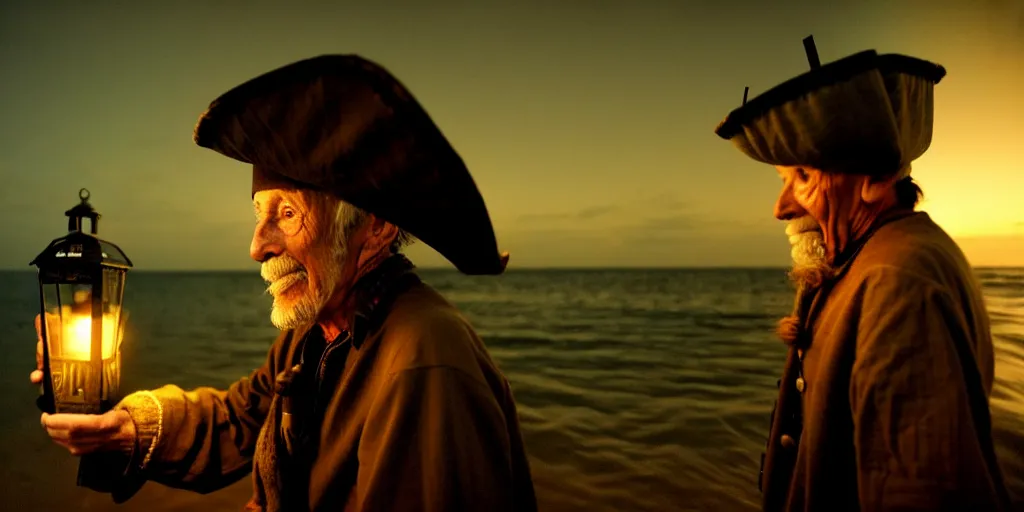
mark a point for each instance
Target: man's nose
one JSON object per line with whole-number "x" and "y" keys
{"x": 786, "y": 207}
{"x": 266, "y": 242}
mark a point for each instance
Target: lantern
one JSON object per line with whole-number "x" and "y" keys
{"x": 81, "y": 284}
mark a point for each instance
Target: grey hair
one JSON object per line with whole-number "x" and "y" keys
{"x": 348, "y": 218}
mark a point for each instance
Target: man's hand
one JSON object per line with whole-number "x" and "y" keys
{"x": 87, "y": 433}
{"x": 82, "y": 433}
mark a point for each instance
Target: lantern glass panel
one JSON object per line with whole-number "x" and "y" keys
{"x": 71, "y": 319}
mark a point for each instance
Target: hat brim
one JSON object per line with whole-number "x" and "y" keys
{"x": 866, "y": 113}
{"x": 344, "y": 125}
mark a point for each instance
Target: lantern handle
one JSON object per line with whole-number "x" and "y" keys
{"x": 81, "y": 211}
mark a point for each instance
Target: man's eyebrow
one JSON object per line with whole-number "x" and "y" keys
{"x": 257, "y": 207}
{"x": 292, "y": 198}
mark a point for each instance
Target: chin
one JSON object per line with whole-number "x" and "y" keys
{"x": 292, "y": 316}
{"x": 294, "y": 308}
{"x": 284, "y": 318}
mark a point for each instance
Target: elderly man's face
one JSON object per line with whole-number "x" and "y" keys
{"x": 805, "y": 192}
{"x": 812, "y": 201}
{"x": 826, "y": 212}
{"x": 301, "y": 256}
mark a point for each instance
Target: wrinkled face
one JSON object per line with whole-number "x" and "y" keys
{"x": 800, "y": 188}
{"x": 803, "y": 202}
{"x": 303, "y": 258}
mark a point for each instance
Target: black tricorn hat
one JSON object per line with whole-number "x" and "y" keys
{"x": 344, "y": 125}
{"x": 864, "y": 114}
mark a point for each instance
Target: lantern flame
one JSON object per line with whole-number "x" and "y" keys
{"x": 76, "y": 339}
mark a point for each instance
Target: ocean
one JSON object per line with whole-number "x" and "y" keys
{"x": 638, "y": 390}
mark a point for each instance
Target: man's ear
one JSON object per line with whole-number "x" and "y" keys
{"x": 380, "y": 234}
{"x": 875, "y": 189}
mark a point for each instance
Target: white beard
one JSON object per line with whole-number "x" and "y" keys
{"x": 284, "y": 272}
{"x": 810, "y": 263}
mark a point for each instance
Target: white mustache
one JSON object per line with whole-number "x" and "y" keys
{"x": 279, "y": 266}
{"x": 286, "y": 282}
{"x": 802, "y": 225}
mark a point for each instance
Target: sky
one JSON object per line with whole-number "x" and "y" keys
{"x": 588, "y": 126}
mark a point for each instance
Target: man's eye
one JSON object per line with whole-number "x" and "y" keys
{"x": 801, "y": 173}
{"x": 288, "y": 213}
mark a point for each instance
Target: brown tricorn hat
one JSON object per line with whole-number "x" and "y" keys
{"x": 344, "y": 125}
{"x": 864, "y": 114}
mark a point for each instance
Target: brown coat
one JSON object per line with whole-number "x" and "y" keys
{"x": 416, "y": 416}
{"x": 896, "y": 380}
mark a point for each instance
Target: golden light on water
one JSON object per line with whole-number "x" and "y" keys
{"x": 76, "y": 336}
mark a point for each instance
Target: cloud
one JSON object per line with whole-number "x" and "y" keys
{"x": 595, "y": 211}
{"x": 666, "y": 201}
{"x": 588, "y": 213}
{"x": 635, "y": 244}
{"x": 634, "y": 207}
{"x": 677, "y": 222}
{"x": 651, "y": 217}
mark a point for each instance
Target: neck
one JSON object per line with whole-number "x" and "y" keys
{"x": 343, "y": 306}
{"x": 338, "y": 322}
{"x": 840, "y": 235}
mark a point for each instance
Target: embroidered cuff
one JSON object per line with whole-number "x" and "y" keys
{"x": 148, "y": 415}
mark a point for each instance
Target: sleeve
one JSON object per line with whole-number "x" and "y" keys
{"x": 435, "y": 440}
{"x": 917, "y": 447}
{"x": 200, "y": 440}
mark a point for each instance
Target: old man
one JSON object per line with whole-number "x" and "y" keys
{"x": 378, "y": 394}
{"x": 884, "y": 400}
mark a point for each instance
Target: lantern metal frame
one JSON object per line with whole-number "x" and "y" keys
{"x": 81, "y": 258}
